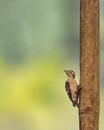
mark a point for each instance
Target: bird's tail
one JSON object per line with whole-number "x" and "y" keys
{"x": 76, "y": 104}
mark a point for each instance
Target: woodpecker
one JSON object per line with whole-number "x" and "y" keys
{"x": 72, "y": 88}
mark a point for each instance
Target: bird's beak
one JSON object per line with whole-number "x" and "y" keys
{"x": 65, "y": 71}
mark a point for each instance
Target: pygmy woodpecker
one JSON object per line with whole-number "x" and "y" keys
{"x": 72, "y": 88}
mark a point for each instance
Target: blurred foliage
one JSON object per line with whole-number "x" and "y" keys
{"x": 38, "y": 40}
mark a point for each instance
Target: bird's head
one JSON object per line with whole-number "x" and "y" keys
{"x": 70, "y": 73}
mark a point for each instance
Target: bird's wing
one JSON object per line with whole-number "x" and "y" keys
{"x": 67, "y": 87}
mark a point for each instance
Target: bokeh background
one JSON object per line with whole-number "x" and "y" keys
{"x": 38, "y": 40}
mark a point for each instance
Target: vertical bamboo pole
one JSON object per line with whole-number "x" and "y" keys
{"x": 89, "y": 65}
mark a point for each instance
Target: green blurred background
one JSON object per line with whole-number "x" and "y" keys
{"x": 38, "y": 40}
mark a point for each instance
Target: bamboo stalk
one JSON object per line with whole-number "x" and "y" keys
{"x": 89, "y": 65}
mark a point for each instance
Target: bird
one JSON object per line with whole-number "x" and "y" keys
{"x": 72, "y": 88}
